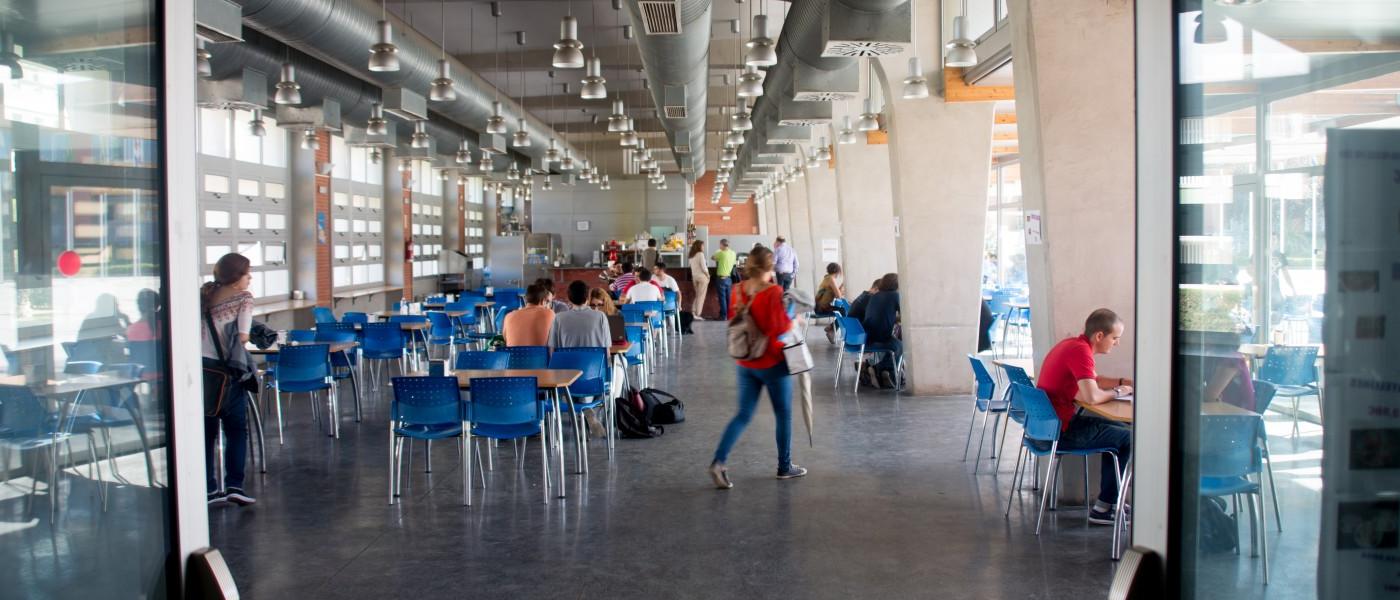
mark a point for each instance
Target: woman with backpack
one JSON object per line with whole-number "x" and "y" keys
{"x": 757, "y": 297}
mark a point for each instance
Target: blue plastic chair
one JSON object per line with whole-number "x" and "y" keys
{"x": 1042, "y": 427}
{"x": 1014, "y": 374}
{"x": 637, "y": 352}
{"x": 442, "y": 331}
{"x": 306, "y": 369}
{"x": 355, "y": 317}
{"x": 410, "y": 336}
{"x": 438, "y": 299}
{"x": 853, "y": 342}
{"x": 301, "y": 336}
{"x": 323, "y": 314}
{"x": 1230, "y": 455}
{"x": 588, "y": 392}
{"x": 342, "y": 363}
{"x": 381, "y": 342}
{"x": 527, "y": 357}
{"x": 27, "y": 425}
{"x": 424, "y": 408}
{"x": 465, "y": 322}
{"x": 672, "y": 307}
{"x": 1293, "y": 372}
{"x": 505, "y": 408}
{"x": 481, "y": 359}
{"x": 508, "y": 299}
{"x": 983, "y": 401}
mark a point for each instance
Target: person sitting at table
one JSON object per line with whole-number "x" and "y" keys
{"x": 881, "y": 318}
{"x": 666, "y": 282}
{"x": 611, "y": 273}
{"x": 645, "y": 290}
{"x": 554, "y": 302}
{"x": 1231, "y": 382}
{"x": 1068, "y": 376}
{"x": 624, "y": 281}
{"x": 863, "y": 300}
{"x": 599, "y": 300}
{"x": 828, "y": 291}
{"x": 529, "y": 325}
{"x": 582, "y": 327}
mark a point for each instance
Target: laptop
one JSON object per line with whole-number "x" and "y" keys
{"x": 617, "y": 328}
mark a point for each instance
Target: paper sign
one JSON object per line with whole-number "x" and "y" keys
{"x": 1033, "y": 227}
{"x": 831, "y": 250}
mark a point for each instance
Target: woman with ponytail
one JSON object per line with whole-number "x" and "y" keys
{"x": 227, "y": 306}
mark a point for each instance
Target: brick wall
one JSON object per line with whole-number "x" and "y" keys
{"x": 323, "y": 207}
{"x": 743, "y": 217}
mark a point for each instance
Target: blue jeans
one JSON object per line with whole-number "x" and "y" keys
{"x": 724, "y": 285}
{"x": 1092, "y": 431}
{"x": 785, "y": 280}
{"x": 233, "y": 415}
{"x": 751, "y": 382}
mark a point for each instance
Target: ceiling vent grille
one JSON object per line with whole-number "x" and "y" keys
{"x": 857, "y": 49}
{"x": 661, "y": 18}
{"x": 819, "y": 96}
{"x": 804, "y": 122}
{"x": 673, "y": 102}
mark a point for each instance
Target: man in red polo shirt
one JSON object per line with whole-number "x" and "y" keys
{"x": 1067, "y": 376}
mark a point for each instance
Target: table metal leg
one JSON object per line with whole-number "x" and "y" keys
{"x": 558, "y": 437}
{"x": 1119, "y": 526}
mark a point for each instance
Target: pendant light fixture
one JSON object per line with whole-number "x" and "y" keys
{"x": 420, "y": 138}
{"x": 522, "y": 133}
{"x": 742, "y": 120}
{"x": 869, "y": 121}
{"x": 256, "y": 126}
{"x": 384, "y": 55}
{"x": 734, "y": 138}
{"x": 522, "y": 136}
{"x": 594, "y": 87}
{"x": 310, "y": 141}
{"x": 762, "y": 51}
{"x": 496, "y": 124}
{"x": 440, "y": 90}
{"x": 629, "y": 139}
{"x": 961, "y": 51}
{"x": 751, "y": 82}
{"x": 548, "y": 183}
{"x": 607, "y": 185}
{"x": 288, "y": 90}
{"x": 915, "y": 85}
{"x": 552, "y": 154}
{"x": 377, "y": 124}
{"x": 568, "y": 163}
{"x": 201, "y": 58}
{"x": 464, "y": 154}
{"x": 824, "y": 152}
{"x": 847, "y": 136}
{"x": 729, "y": 153}
{"x": 513, "y": 174}
{"x": 617, "y": 122}
{"x": 568, "y": 52}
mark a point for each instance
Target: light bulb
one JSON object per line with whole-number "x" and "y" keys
{"x": 440, "y": 90}
{"x": 384, "y": 55}
{"x": 568, "y": 52}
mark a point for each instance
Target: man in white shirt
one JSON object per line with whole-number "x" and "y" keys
{"x": 645, "y": 290}
{"x": 666, "y": 282}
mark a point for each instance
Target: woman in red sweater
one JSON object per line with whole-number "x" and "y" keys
{"x": 765, "y": 302}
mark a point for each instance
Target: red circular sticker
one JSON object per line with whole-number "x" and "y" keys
{"x": 69, "y": 263}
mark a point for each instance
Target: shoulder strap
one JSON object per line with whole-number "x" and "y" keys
{"x": 214, "y": 333}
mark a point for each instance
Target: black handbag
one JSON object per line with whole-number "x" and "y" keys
{"x": 665, "y": 409}
{"x": 220, "y": 378}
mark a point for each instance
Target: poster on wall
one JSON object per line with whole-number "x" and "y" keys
{"x": 1359, "y": 554}
{"x": 322, "y": 238}
{"x": 831, "y": 250}
{"x": 1033, "y": 231}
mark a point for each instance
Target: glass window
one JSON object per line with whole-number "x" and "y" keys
{"x": 213, "y": 253}
{"x": 359, "y": 159}
{"x": 1285, "y": 212}
{"x": 275, "y": 253}
{"x": 274, "y": 144}
{"x": 214, "y": 132}
{"x": 217, "y": 219}
{"x": 274, "y": 191}
{"x": 275, "y": 221}
{"x": 340, "y": 199}
{"x": 216, "y": 184}
{"x": 342, "y": 225}
{"x": 246, "y": 146}
{"x": 340, "y": 158}
{"x": 248, "y": 187}
{"x": 249, "y": 220}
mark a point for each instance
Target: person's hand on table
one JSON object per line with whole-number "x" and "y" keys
{"x": 1123, "y": 390}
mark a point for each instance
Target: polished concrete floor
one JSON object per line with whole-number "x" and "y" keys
{"x": 888, "y": 510}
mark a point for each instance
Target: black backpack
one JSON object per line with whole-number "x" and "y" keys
{"x": 1217, "y": 531}
{"x": 633, "y": 419}
{"x": 664, "y": 408}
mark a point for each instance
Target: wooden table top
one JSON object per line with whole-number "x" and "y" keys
{"x": 276, "y": 348}
{"x": 384, "y": 314}
{"x": 70, "y": 384}
{"x": 405, "y": 325}
{"x": 621, "y": 348}
{"x": 547, "y": 378}
{"x": 1122, "y": 410}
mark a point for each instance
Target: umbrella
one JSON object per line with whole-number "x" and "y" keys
{"x": 805, "y": 380}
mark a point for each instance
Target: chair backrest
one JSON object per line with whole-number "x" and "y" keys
{"x": 1016, "y": 374}
{"x": 21, "y": 412}
{"x": 301, "y": 336}
{"x": 442, "y": 327}
{"x": 336, "y": 332}
{"x": 504, "y": 401}
{"x": 397, "y": 306}
{"x": 323, "y": 314}
{"x": 309, "y": 362}
{"x": 464, "y": 307}
{"x": 637, "y": 337}
{"x": 439, "y": 299}
{"x": 590, "y": 361}
{"x": 355, "y": 317}
{"x": 426, "y": 401}
{"x": 501, "y": 318}
{"x": 656, "y": 307}
{"x": 147, "y": 354}
{"x": 985, "y": 384}
{"x": 1290, "y": 365}
{"x": 842, "y": 304}
{"x": 1263, "y": 395}
{"x": 853, "y": 332}
{"x": 672, "y": 301}
{"x": 1229, "y": 445}
{"x": 634, "y": 313}
{"x": 508, "y": 299}
{"x": 1041, "y": 421}
{"x": 82, "y": 367}
{"x": 480, "y": 359}
{"x": 382, "y": 337}
{"x": 471, "y": 299}
{"x": 998, "y": 303}
{"x": 527, "y": 357}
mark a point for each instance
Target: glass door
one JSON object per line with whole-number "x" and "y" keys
{"x": 1285, "y": 435}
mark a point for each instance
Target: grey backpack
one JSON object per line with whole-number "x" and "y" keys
{"x": 746, "y": 340}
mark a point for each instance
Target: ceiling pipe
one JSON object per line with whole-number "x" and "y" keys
{"x": 340, "y": 33}
{"x": 680, "y": 60}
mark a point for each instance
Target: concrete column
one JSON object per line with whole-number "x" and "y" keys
{"x": 1076, "y": 129}
{"x": 940, "y": 199}
{"x": 800, "y": 236}
{"x": 824, "y": 222}
{"x": 866, "y": 212}
{"x": 782, "y": 224}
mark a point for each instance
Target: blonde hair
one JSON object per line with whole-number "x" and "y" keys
{"x": 599, "y": 294}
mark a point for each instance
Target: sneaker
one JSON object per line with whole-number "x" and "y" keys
{"x": 699, "y": 318}
{"x": 1105, "y": 517}
{"x": 887, "y": 380}
{"x": 720, "y": 476}
{"x": 239, "y": 497}
{"x": 831, "y": 334}
{"x": 217, "y": 498}
{"x": 793, "y": 471}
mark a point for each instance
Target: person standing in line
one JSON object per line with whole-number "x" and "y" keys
{"x": 227, "y": 303}
{"x": 699, "y": 277}
{"x": 765, "y": 303}
{"x": 784, "y": 262}
{"x": 724, "y": 267}
{"x": 650, "y": 256}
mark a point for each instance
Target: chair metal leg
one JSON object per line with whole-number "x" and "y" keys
{"x": 1263, "y": 536}
{"x": 1045, "y": 493}
{"x": 970, "y": 424}
{"x": 1001, "y": 446}
{"x": 977, "y": 462}
{"x": 837, "y": 383}
{"x": 544, "y": 463}
{"x": 1015, "y": 477}
{"x": 428, "y": 453}
{"x": 355, "y": 389}
{"x": 860, "y": 360}
{"x": 277, "y": 398}
{"x": 466, "y": 446}
{"x": 1273, "y": 489}
{"x": 393, "y": 456}
{"x": 1088, "y": 504}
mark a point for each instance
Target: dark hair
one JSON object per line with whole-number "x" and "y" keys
{"x": 833, "y": 268}
{"x": 148, "y": 304}
{"x": 760, "y": 262}
{"x": 660, "y": 266}
{"x": 644, "y": 274}
{"x": 651, "y": 242}
{"x": 547, "y": 283}
{"x": 536, "y": 294}
{"x": 889, "y": 283}
{"x": 229, "y": 270}
{"x": 695, "y": 247}
{"x": 780, "y": 240}
{"x": 876, "y": 284}
{"x": 724, "y": 242}
{"x": 578, "y": 293}
{"x": 627, "y": 267}
{"x": 1100, "y": 321}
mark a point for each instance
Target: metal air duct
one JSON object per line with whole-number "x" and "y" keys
{"x": 676, "y": 61}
